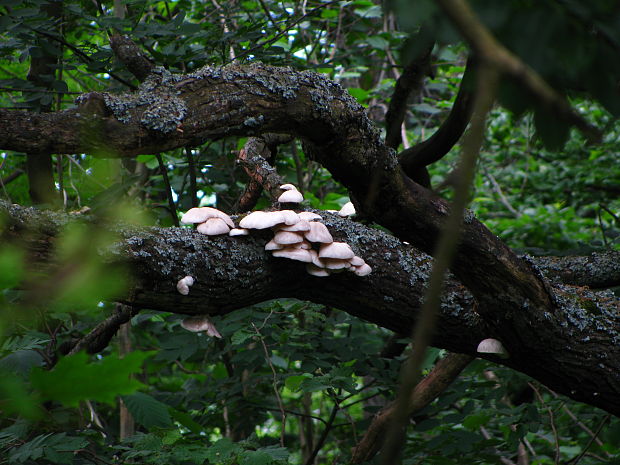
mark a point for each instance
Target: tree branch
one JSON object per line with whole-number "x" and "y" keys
{"x": 433, "y": 385}
{"x": 414, "y": 160}
{"x": 575, "y": 351}
{"x": 409, "y": 82}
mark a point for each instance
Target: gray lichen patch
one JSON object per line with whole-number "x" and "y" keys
{"x": 273, "y": 80}
{"x": 164, "y": 109}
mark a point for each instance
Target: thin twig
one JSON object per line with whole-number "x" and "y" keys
{"x": 446, "y": 248}
{"x": 556, "y": 436}
{"x": 576, "y": 460}
{"x": 171, "y": 206}
{"x": 275, "y": 384}
{"x": 324, "y": 434}
{"x": 498, "y": 190}
{"x": 286, "y": 29}
{"x": 192, "y": 176}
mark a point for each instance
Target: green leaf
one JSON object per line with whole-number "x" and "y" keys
{"x": 222, "y": 451}
{"x": 315, "y": 384}
{"x": 239, "y": 337}
{"x": 147, "y": 410}
{"x": 57, "y": 448}
{"x": 360, "y": 95}
{"x": 279, "y": 361}
{"x": 75, "y": 379}
{"x": 11, "y": 267}
{"x": 294, "y": 382}
{"x": 186, "y": 420}
{"x": 475, "y": 421}
{"x": 255, "y": 457}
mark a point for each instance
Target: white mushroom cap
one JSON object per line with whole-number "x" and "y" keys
{"x": 301, "y": 225}
{"x": 239, "y": 232}
{"x": 290, "y": 217}
{"x": 273, "y": 245}
{"x": 336, "y": 263}
{"x": 202, "y": 214}
{"x": 292, "y": 253}
{"x": 184, "y": 284}
{"x": 357, "y": 261}
{"x": 288, "y": 187}
{"x": 261, "y": 220}
{"x": 336, "y": 250}
{"x": 287, "y": 237}
{"x": 291, "y": 196}
{"x": 314, "y": 270}
{"x": 319, "y": 233}
{"x": 492, "y": 346}
{"x": 213, "y": 227}
{"x": 316, "y": 261}
{"x": 362, "y": 270}
{"x": 347, "y": 209}
{"x": 303, "y": 245}
{"x": 309, "y": 216}
{"x": 200, "y": 323}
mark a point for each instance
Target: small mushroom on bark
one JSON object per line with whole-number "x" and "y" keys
{"x": 213, "y": 227}
{"x": 184, "y": 284}
{"x": 347, "y": 209}
{"x": 197, "y": 324}
{"x": 202, "y": 214}
{"x": 261, "y": 220}
{"x": 492, "y": 346}
{"x": 291, "y": 196}
{"x": 336, "y": 250}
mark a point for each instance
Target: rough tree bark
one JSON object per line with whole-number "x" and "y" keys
{"x": 232, "y": 273}
{"x": 564, "y": 337}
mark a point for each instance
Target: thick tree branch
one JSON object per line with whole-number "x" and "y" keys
{"x": 256, "y": 158}
{"x": 599, "y": 270}
{"x": 131, "y": 56}
{"x": 234, "y": 100}
{"x": 415, "y": 159}
{"x": 576, "y": 350}
{"x": 409, "y": 82}
{"x": 173, "y": 111}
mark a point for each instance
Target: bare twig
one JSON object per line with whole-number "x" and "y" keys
{"x": 446, "y": 247}
{"x": 498, "y": 190}
{"x": 192, "y": 176}
{"x": 275, "y": 385}
{"x": 409, "y": 82}
{"x": 100, "y": 335}
{"x": 324, "y": 434}
{"x": 171, "y": 206}
{"x": 576, "y": 460}
{"x": 437, "y": 381}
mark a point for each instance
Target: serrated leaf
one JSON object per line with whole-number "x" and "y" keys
{"x": 314, "y": 384}
{"x": 147, "y": 410}
{"x": 222, "y": 450}
{"x": 75, "y": 379}
{"x": 255, "y": 457}
{"x": 239, "y": 337}
{"x": 294, "y": 382}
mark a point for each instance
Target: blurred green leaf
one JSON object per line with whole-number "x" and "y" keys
{"x": 75, "y": 378}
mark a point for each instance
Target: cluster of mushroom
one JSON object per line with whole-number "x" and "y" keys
{"x": 297, "y": 236}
